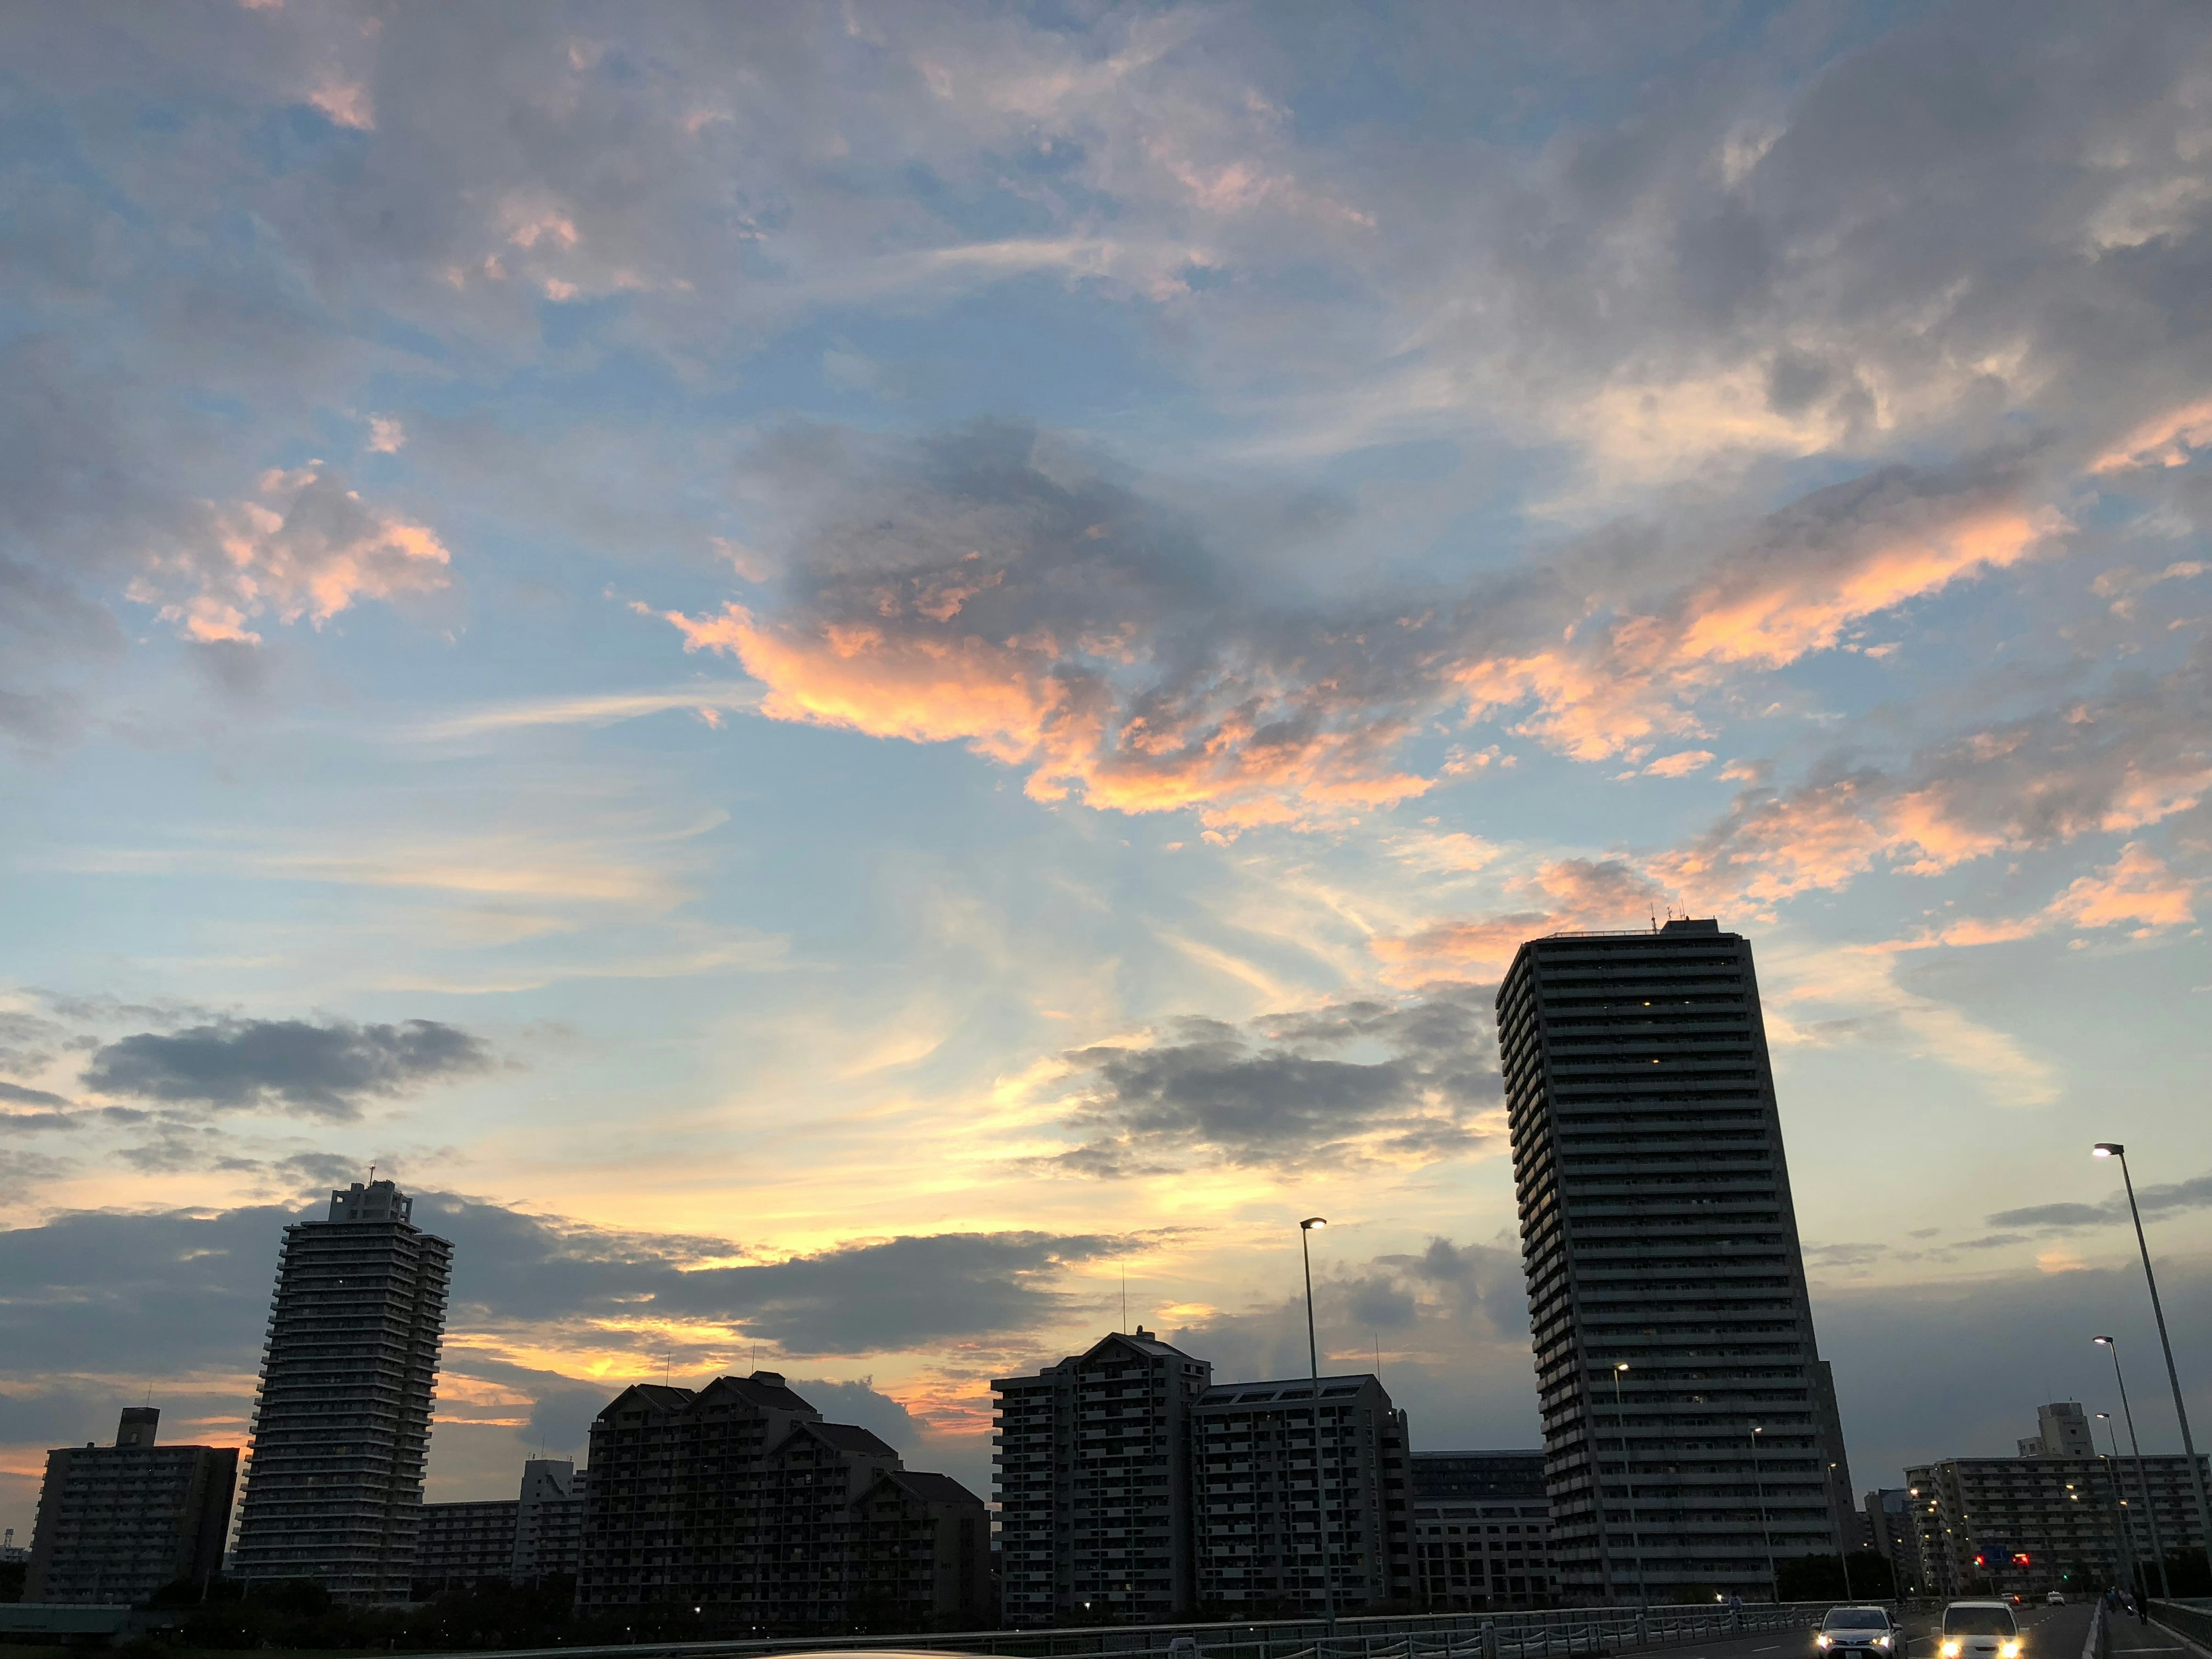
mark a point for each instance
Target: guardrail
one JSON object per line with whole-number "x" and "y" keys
{"x": 1552, "y": 1634}
{"x": 2191, "y": 1619}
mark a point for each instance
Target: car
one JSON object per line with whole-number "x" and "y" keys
{"x": 1979, "y": 1630}
{"x": 1862, "y": 1633}
{"x": 2055, "y": 1599}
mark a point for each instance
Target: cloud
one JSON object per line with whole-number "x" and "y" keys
{"x": 2173, "y": 1198}
{"x": 326, "y": 1070}
{"x": 1562, "y": 895}
{"x": 1280, "y": 1092}
{"x": 309, "y": 548}
{"x": 1794, "y": 585}
{"x": 2137, "y": 888}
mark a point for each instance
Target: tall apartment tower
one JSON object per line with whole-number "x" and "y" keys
{"x": 1657, "y": 1234}
{"x": 342, "y": 1432}
{"x": 1093, "y": 1478}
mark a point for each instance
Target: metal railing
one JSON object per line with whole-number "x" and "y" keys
{"x": 2191, "y": 1619}
{"x": 1551, "y": 1634}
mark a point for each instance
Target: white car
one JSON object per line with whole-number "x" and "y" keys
{"x": 2055, "y": 1599}
{"x": 1861, "y": 1632}
{"x": 1979, "y": 1630}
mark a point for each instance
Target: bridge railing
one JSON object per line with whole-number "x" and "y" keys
{"x": 1552, "y": 1633}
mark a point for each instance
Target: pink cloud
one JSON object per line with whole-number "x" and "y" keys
{"x": 309, "y": 548}
{"x": 2169, "y": 440}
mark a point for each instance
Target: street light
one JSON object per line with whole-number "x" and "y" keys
{"x": 2119, "y": 1504}
{"x": 1773, "y": 1584}
{"x": 2142, "y": 1481}
{"x": 1313, "y": 1360}
{"x": 1628, "y": 1467}
{"x": 2113, "y": 1149}
{"x": 1842, "y": 1555}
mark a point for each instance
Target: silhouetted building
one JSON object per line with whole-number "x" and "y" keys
{"x": 739, "y": 1501}
{"x": 1301, "y": 1490}
{"x": 1482, "y": 1532}
{"x": 548, "y": 1521}
{"x": 1093, "y": 1478}
{"x": 1657, "y": 1234}
{"x": 918, "y": 1555}
{"x": 116, "y": 1523}
{"x": 807, "y": 1486}
{"x": 1887, "y": 1528}
{"x": 461, "y": 1546}
{"x": 342, "y": 1432}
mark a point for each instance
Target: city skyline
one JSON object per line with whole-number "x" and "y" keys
{"x": 842, "y": 676}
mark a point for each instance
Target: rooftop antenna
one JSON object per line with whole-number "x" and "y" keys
{"x": 1125, "y": 1299}
{"x": 372, "y": 1175}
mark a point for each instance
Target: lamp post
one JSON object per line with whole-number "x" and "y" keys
{"x": 1843, "y": 1555}
{"x": 1628, "y": 1467}
{"x": 2127, "y": 1563}
{"x": 2142, "y": 1481}
{"x": 1773, "y": 1584}
{"x": 1313, "y": 1361}
{"x": 2113, "y": 1149}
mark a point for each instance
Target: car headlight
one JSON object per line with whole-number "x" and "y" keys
{"x": 1881, "y": 1641}
{"x": 1951, "y": 1647}
{"x": 1821, "y": 1640}
{"x": 2009, "y": 1650}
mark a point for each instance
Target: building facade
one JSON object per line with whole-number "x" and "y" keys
{"x": 548, "y": 1521}
{"x": 115, "y": 1523}
{"x": 1482, "y": 1532}
{"x": 461, "y": 1546}
{"x": 1886, "y": 1527}
{"x": 2000, "y": 1525}
{"x": 1662, "y": 1260}
{"x": 918, "y": 1555}
{"x": 342, "y": 1431}
{"x": 1092, "y": 1474}
{"x": 1302, "y": 1496}
{"x": 740, "y": 1501}
{"x": 2062, "y": 1430}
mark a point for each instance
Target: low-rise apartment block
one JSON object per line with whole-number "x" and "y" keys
{"x": 115, "y": 1523}
{"x": 1482, "y": 1532}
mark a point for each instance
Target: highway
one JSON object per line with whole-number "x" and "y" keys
{"x": 2046, "y": 1633}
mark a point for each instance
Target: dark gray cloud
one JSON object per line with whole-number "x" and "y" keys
{"x": 326, "y": 1070}
{"x": 23, "y": 1096}
{"x": 2167, "y": 1198}
{"x": 1280, "y": 1090}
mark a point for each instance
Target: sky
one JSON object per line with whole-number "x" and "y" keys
{"x": 853, "y": 678}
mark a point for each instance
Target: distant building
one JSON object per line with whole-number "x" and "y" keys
{"x": 1662, "y": 1260}
{"x": 2008, "y": 1524}
{"x": 918, "y": 1555}
{"x": 115, "y": 1523}
{"x": 1886, "y": 1527}
{"x": 1301, "y": 1493}
{"x": 1093, "y": 1478}
{"x": 1482, "y": 1532}
{"x": 739, "y": 1500}
{"x": 342, "y": 1433}
{"x": 2062, "y": 1431}
{"x": 461, "y": 1546}
{"x": 548, "y": 1521}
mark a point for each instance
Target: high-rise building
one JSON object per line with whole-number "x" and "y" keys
{"x": 117, "y": 1522}
{"x": 342, "y": 1431}
{"x": 1093, "y": 1479}
{"x": 1887, "y": 1530}
{"x": 1663, "y": 1261}
{"x": 1302, "y": 1499}
{"x": 672, "y": 1513}
{"x": 548, "y": 1521}
{"x": 1482, "y": 1532}
{"x": 2062, "y": 1430}
{"x": 738, "y": 1501}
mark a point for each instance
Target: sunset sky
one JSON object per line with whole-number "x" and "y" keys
{"x": 842, "y": 673}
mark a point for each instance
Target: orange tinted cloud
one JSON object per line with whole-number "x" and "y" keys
{"x": 309, "y": 548}
{"x": 2137, "y": 891}
{"x": 1615, "y": 687}
{"x": 1570, "y": 895}
{"x": 1240, "y": 755}
{"x": 2167, "y": 440}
